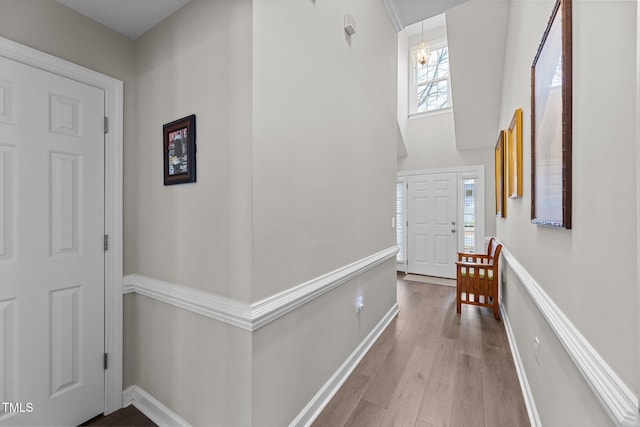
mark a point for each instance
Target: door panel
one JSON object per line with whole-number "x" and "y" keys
{"x": 51, "y": 248}
{"x": 432, "y": 217}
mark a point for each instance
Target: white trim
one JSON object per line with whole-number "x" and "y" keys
{"x": 331, "y": 387}
{"x": 152, "y": 408}
{"x": 250, "y": 317}
{"x": 113, "y": 199}
{"x": 425, "y": 114}
{"x": 615, "y": 397}
{"x": 204, "y": 303}
{"x": 532, "y": 411}
{"x": 477, "y": 171}
{"x": 394, "y": 14}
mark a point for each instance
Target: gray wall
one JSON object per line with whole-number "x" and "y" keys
{"x": 590, "y": 272}
{"x": 324, "y": 147}
{"x": 296, "y": 166}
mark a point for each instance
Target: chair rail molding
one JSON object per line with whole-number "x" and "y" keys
{"x": 251, "y": 317}
{"x": 616, "y": 398}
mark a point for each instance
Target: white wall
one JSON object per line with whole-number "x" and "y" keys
{"x": 431, "y": 144}
{"x": 296, "y": 171}
{"x": 402, "y": 91}
{"x": 325, "y": 134}
{"x": 198, "y": 61}
{"x": 590, "y": 272}
{"x": 476, "y": 36}
{"x": 324, "y": 139}
{"x": 431, "y": 140}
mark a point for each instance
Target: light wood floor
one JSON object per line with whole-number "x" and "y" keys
{"x": 432, "y": 367}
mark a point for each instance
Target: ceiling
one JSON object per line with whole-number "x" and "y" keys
{"x": 406, "y": 12}
{"x": 134, "y": 17}
{"x": 129, "y": 17}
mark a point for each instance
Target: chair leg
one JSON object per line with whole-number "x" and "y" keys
{"x": 458, "y": 302}
{"x": 496, "y": 310}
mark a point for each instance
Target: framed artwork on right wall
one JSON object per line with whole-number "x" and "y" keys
{"x": 514, "y": 153}
{"x": 551, "y": 122}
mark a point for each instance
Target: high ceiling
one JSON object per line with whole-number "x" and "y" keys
{"x": 129, "y": 17}
{"x": 134, "y": 17}
{"x": 406, "y": 12}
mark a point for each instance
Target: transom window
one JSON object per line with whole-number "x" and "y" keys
{"x": 430, "y": 84}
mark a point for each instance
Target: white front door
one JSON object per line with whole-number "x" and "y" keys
{"x": 432, "y": 218}
{"x": 51, "y": 248}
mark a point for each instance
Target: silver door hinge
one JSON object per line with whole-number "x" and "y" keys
{"x": 106, "y": 361}
{"x": 106, "y": 242}
{"x": 106, "y": 125}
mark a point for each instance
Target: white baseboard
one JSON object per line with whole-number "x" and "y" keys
{"x": 331, "y": 387}
{"x": 532, "y": 411}
{"x": 152, "y": 408}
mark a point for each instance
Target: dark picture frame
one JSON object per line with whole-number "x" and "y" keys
{"x": 501, "y": 194}
{"x": 551, "y": 127}
{"x": 179, "y": 151}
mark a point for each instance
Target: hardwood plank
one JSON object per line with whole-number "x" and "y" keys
{"x": 468, "y": 400}
{"x": 427, "y": 356}
{"x": 129, "y": 416}
{"x": 405, "y": 404}
{"x": 503, "y": 400}
{"x": 432, "y": 327}
{"x": 383, "y": 385}
{"x": 438, "y": 394}
{"x": 342, "y": 405}
{"x": 371, "y": 363}
{"x": 366, "y": 414}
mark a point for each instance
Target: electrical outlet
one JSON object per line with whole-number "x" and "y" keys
{"x": 536, "y": 347}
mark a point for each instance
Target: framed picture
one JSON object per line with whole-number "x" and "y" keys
{"x": 514, "y": 152}
{"x": 180, "y": 151}
{"x": 501, "y": 198}
{"x": 551, "y": 122}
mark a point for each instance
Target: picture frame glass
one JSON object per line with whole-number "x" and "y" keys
{"x": 179, "y": 151}
{"x": 551, "y": 123}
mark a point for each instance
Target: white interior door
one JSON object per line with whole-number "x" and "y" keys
{"x": 51, "y": 248}
{"x": 432, "y": 217}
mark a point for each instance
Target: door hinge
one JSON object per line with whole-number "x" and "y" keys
{"x": 106, "y": 242}
{"x": 106, "y": 361}
{"x": 106, "y": 124}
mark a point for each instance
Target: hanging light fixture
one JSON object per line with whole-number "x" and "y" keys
{"x": 424, "y": 50}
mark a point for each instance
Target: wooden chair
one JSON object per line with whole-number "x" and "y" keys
{"x": 477, "y": 279}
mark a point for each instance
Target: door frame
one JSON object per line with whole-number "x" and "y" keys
{"x": 462, "y": 172}
{"x": 113, "y": 195}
